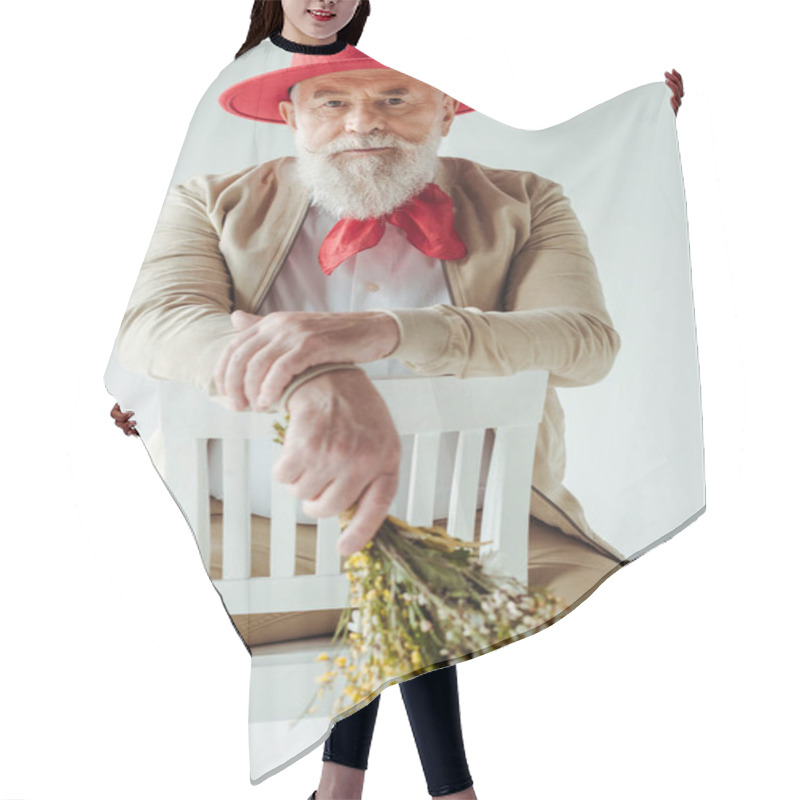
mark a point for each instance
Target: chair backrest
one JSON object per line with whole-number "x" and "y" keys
{"x": 422, "y": 408}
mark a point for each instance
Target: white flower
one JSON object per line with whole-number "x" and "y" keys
{"x": 512, "y": 610}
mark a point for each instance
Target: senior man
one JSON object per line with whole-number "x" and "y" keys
{"x": 278, "y": 280}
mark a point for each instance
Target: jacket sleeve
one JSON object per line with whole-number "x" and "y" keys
{"x": 177, "y": 323}
{"x": 555, "y": 316}
{"x": 178, "y": 319}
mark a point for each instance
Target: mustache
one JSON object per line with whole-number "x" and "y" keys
{"x": 357, "y": 141}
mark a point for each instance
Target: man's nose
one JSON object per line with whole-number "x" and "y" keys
{"x": 363, "y": 117}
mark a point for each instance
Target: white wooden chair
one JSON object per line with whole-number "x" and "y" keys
{"x": 422, "y": 408}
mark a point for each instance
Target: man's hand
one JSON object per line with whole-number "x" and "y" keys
{"x": 341, "y": 448}
{"x": 272, "y": 350}
{"x": 675, "y": 82}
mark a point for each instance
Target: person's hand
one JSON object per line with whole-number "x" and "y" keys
{"x": 272, "y": 350}
{"x": 341, "y": 448}
{"x": 124, "y": 420}
{"x": 675, "y": 82}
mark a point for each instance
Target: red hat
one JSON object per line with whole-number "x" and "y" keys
{"x": 257, "y": 98}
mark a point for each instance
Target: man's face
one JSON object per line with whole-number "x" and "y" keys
{"x": 367, "y": 140}
{"x": 365, "y": 102}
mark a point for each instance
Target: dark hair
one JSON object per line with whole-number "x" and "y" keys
{"x": 266, "y": 18}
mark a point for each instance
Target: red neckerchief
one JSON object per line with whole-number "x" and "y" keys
{"x": 427, "y": 219}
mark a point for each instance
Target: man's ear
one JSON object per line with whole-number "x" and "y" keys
{"x": 286, "y": 110}
{"x": 449, "y": 106}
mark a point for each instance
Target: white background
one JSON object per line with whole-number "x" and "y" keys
{"x": 121, "y": 675}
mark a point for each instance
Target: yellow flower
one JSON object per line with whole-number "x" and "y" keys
{"x": 341, "y": 661}
{"x": 322, "y": 657}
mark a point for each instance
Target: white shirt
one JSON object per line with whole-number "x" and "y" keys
{"x": 393, "y": 274}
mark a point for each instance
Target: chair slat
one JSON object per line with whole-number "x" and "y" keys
{"x": 422, "y": 489}
{"x": 186, "y": 475}
{"x": 464, "y": 487}
{"x": 506, "y": 505}
{"x": 299, "y": 592}
{"x": 328, "y": 558}
{"x": 283, "y": 530}
{"x": 202, "y": 529}
{"x": 236, "y": 533}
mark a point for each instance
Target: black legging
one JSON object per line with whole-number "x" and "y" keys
{"x": 431, "y": 701}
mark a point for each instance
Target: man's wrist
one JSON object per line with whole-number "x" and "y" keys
{"x": 311, "y": 374}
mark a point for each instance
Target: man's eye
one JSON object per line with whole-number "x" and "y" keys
{"x": 333, "y": 104}
{"x": 395, "y": 101}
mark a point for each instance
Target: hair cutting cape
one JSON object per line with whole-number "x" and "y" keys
{"x": 606, "y": 318}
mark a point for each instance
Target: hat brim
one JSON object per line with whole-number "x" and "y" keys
{"x": 258, "y": 98}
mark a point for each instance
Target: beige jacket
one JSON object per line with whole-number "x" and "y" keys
{"x": 526, "y": 296}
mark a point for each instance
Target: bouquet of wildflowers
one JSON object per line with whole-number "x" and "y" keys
{"x": 420, "y": 598}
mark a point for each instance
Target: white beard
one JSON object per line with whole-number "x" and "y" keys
{"x": 360, "y": 187}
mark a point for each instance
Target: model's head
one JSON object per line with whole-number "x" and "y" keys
{"x": 316, "y": 21}
{"x": 306, "y": 21}
{"x": 367, "y": 136}
{"x": 367, "y": 140}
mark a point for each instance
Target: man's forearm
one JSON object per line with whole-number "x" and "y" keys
{"x": 550, "y": 315}
{"x": 168, "y": 347}
{"x": 575, "y": 347}
{"x": 178, "y": 319}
